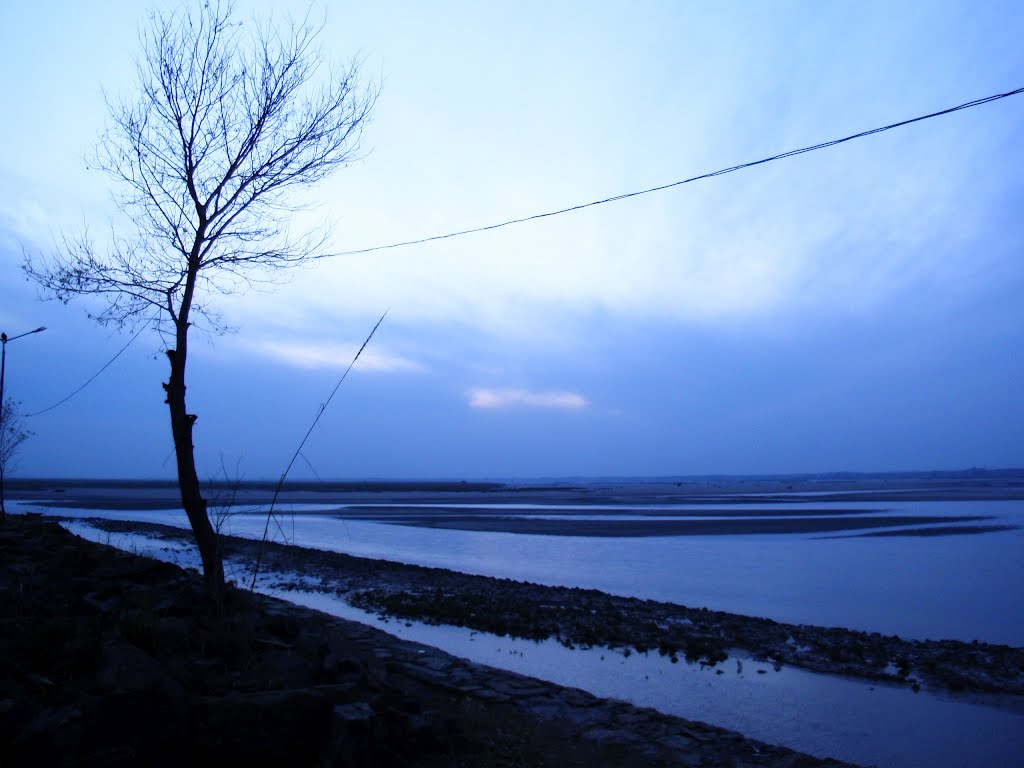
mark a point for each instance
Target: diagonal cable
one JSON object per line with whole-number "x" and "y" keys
{"x": 92, "y": 378}
{"x": 298, "y": 452}
{"x": 720, "y": 172}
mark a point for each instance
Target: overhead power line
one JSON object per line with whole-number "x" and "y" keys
{"x": 581, "y": 206}
{"x": 92, "y": 378}
{"x": 721, "y": 172}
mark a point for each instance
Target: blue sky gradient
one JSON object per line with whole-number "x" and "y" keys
{"x": 856, "y": 308}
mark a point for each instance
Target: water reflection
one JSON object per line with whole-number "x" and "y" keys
{"x": 865, "y": 723}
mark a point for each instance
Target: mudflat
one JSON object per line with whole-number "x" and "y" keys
{"x": 628, "y": 507}
{"x": 764, "y": 491}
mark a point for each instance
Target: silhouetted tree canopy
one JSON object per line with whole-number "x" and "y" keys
{"x": 230, "y": 120}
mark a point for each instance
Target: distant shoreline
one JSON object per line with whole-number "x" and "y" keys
{"x": 935, "y": 475}
{"x": 954, "y": 485}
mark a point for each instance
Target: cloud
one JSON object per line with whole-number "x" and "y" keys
{"x": 507, "y": 398}
{"x": 318, "y": 356}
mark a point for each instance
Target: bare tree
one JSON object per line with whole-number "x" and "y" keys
{"x": 12, "y": 434}
{"x": 230, "y": 122}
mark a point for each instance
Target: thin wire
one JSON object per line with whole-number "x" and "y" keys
{"x": 721, "y": 172}
{"x": 614, "y": 198}
{"x": 298, "y": 451}
{"x": 93, "y": 377}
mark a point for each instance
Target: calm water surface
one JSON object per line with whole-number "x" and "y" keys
{"x": 963, "y": 586}
{"x": 861, "y": 722}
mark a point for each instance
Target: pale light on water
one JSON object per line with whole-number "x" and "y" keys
{"x": 940, "y": 586}
{"x": 824, "y": 715}
{"x": 929, "y": 587}
{"x": 935, "y": 587}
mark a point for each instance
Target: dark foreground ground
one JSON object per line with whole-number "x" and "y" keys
{"x": 114, "y": 660}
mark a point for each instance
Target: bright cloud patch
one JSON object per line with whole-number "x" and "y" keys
{"x": 306, "y": 355}
{"x": 506, "y": 398}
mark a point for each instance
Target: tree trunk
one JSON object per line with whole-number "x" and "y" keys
{"x": 188, "y": 481}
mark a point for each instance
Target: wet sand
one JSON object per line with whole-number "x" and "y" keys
{"x": 762, "y": 491}
{"x": 693, "y": 527}
{"x": 625, "y": 508}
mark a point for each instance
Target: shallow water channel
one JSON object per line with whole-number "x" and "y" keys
{"x": 961, "y": 587}
{"x": 865, "y": 723}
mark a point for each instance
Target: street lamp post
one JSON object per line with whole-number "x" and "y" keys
{"x": 3, "y": 369}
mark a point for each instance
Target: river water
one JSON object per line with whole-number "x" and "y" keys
{"x": 963, "y": 586}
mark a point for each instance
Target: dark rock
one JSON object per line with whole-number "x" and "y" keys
{"x": 279, "y": 668}
{"x": 131, "y": 677}
{"x": 351, "y": 738}
{"x": 123, "y": 667}
{"x": 269, "y": 728}
{"x": 138, "y": 726}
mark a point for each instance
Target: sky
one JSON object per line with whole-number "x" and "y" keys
{"x": 851, "y": 309}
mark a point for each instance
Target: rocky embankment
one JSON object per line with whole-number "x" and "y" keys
{"x": 590, "y": 618}
{"x": 111, "y": 659}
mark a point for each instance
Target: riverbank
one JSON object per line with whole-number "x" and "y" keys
{"x": 588, "y": 617}
{"x": 112, "y": 659}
